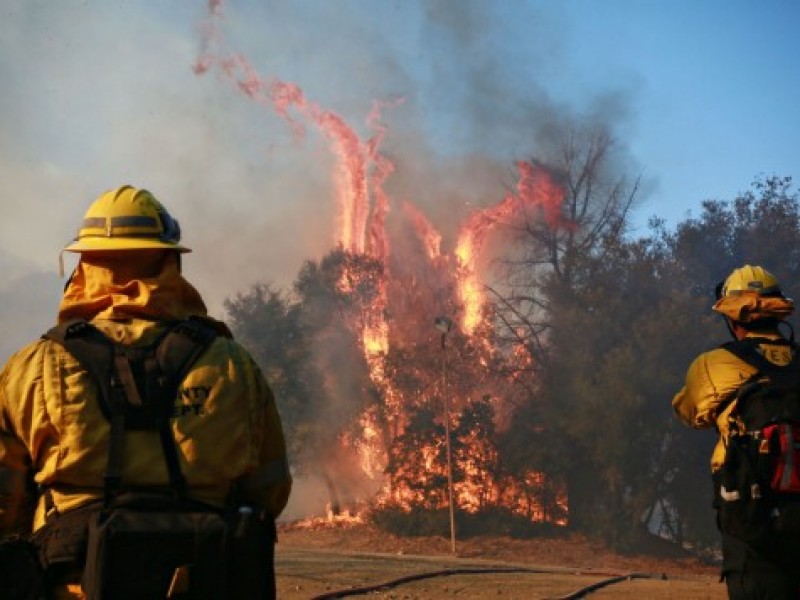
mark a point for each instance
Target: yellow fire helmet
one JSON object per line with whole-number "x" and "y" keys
{"x": 751, "y": 293}
{"x": 127, "y": 218}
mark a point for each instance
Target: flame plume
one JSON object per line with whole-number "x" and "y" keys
{"x": 419, "y": 289}
{"x": 429, "y": 236}
{"x": 535, "y": 189}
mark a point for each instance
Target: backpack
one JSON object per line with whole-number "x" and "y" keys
{"x": 142, "y": 543}
{"x": 757, "y": 489}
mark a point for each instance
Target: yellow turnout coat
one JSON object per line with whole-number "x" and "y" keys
{"x": 54, "y": 436}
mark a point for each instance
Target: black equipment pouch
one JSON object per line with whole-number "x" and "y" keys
{"x": 134, "y": 553}
{"x": 152, "y": 551}
{"x": 62, "y": 541}
{"x": 742, "y": 509}
{"x": 251, "y": 563}
{"x": 21, "y": 574}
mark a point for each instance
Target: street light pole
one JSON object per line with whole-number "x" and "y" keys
{"x": 444, "y": 324}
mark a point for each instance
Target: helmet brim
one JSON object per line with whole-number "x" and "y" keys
{"x": 109, "y": 244}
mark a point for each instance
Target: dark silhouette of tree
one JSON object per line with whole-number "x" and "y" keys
{"x": 272, "y": 328}
{"x": 620, "y": 338}
{"x": 550, "y": 279}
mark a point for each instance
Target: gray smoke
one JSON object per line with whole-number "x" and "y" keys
{"x": 96, "y": 95}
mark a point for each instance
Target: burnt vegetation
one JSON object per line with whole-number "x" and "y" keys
{"x": 560, "y": 414}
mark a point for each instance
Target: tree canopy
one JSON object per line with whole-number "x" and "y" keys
{"x": 563, "y": 405}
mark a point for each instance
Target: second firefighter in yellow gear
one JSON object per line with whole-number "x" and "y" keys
{"x": 750, "y": 299}
{"x": 754, "y": 308}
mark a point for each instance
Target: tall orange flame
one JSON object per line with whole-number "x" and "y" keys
{"x": 360, "y": 172}
{"x": 535, "y": 189}
{"x": 431, "y": 239}
{"x": 350, "y": 178}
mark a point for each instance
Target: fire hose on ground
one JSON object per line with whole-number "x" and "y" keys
{"x": 580, "y": 593}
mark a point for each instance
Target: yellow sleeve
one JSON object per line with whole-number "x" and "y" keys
{"x": 16, "y": 505}
{"x": 711, "y": 380}
{"x": 270, "y": 484}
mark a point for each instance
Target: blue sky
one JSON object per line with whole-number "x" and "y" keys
{"x": 718, "y": 90}
{"x": 702, "y": 96}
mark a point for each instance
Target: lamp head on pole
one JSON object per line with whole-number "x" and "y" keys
{"x": 443, "y": 324}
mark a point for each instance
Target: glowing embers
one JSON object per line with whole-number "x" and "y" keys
{"x": 417, "y": 477}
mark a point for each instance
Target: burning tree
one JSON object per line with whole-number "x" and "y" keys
{"x": 545, "y": 280}
{"x": 363, "y": 316}
{"x": 376, "y": 420}
{"x": 421, "y": 481}
{"x": 559, "y": 378}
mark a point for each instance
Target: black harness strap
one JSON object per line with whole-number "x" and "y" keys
{"x": 749, "y": 351}
{"x": 122, "y": 365}
{"x": 93, "y": 350}
{"x": 785, "y": 378}
{"x": 137, "y": 386}
{"x": 174, "y": 356}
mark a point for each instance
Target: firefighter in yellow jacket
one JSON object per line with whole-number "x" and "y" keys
{"x": 54, "y": 438}
{"x": 753, "y": 306}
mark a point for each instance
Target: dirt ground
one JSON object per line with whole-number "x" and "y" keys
{"x": 322, "y": 560}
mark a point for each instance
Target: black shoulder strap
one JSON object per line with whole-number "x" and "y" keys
{"x": 182, "y": 346}
{"x": 749, "y": 351}
{"x": 93, "y": 350}
{"x": 784, "y": 380}
{"x": 174, "y": 356}
{"x": 137, "y": 386}
{"x": 97, "y": 354}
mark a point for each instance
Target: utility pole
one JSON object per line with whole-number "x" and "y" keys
{"x": 444, "y": 324}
